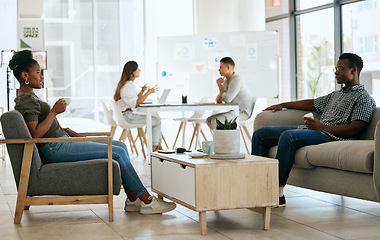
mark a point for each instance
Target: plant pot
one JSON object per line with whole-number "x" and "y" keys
{"x": 226, "y": 141}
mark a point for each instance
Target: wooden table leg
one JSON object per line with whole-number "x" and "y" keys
{"x": 266, "y": 217}
{"x": 160, "y": 197}
{"x": 203, "y": 222}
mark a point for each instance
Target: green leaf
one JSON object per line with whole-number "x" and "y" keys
{"x": 232, "y": 124}
{"x": 219, "y": 124}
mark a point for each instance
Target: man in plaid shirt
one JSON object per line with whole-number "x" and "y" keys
{"x": 345, "y": 113}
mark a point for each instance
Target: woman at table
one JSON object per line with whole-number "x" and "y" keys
{"x": 128, "y": 99}
{"x": 42, "y": 123}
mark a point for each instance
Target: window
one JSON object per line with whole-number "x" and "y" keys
{"x": 368, "y": 44}
{"x": 276, "y": 7}
{"x": 282, "y": 27}
{"x": 312, "y": 46}
{"x": 359, "y": 36}
{"x": 88, "y": 42}
{"x": 315, "y": 54}
{"x": 305, "y": 4}
{"x": 368, "y": 4}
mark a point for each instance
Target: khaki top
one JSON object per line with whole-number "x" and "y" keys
{"x": 33, "y": 108}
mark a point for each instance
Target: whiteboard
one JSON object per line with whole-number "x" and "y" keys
{"x": 189, "y": 64}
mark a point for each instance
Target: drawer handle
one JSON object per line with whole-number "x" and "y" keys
{"x": 183, "y": 166}
{"x": 161, "y": 160}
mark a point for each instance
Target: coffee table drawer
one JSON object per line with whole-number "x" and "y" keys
{"x": 175, "y": 180}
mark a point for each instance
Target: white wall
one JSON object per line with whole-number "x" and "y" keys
{"x": 30, "y": 9}
{"x": 213, "y": 16}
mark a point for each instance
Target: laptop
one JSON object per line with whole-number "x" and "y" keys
{"x": 164, "y": 96}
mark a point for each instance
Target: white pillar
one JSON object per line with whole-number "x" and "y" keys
{"x": 30, "y": 9}
{"x": 213, "y": 16}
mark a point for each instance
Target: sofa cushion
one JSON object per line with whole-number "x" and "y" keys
{"x": 354, "y": 156}
{"x": 300, "y": 160}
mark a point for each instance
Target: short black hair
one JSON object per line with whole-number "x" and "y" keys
{"x": 227, "y": 60}
{"x": 355, "y": 61}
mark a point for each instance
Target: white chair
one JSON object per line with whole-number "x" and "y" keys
{"x": 108, "y": 115}
{"x": 184, "y": 121}
{"x": 109, "y": 118}
{"x": 154, "y": 114}
{"x": 121, "y": 122}
{"x": 197, "y": 122}
{"x": 243, "y": 126}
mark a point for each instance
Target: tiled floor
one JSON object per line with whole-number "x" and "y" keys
{"x": 308, "y": 215}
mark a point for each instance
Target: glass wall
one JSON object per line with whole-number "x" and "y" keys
{"x": 360, "y": 38}
{"x": 315, "y": 58}
{"x": 89, "y": 41}
{"x": 282, "y": 27}
{"x": 70, "y": 29}
{"x": 305, "y": 4}
{"x": 312, "y": 34}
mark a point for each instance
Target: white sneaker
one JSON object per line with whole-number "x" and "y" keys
{"x": 132, "y": 206}
{"x": 156, "y": 206}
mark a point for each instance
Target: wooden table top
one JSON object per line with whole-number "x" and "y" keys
{"x": 184, "y": 158}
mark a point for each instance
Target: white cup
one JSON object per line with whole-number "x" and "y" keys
{"x": 309, "y": 115}
{"x": 67, "y": 101}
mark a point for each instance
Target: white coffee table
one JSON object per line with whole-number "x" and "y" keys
{"x": 204, "y": 184}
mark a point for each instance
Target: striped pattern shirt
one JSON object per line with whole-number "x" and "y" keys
{"x": 343, "y": 106}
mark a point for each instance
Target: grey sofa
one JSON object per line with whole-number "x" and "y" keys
{"x": 86, "y": 179}
{"x": 348, "y": 168}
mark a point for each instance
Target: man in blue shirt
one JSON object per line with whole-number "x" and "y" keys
{"x": 344, "y": 113}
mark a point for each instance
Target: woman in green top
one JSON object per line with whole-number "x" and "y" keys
{"x": 42, "y": 123}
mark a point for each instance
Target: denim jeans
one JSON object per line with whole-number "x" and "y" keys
{"x": 81, "y": 151}
{"x": 288, "y": 139}
{"x": 133, "y": 118}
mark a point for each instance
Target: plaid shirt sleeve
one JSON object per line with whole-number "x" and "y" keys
{"x": 321, "y": 102}
{"x": 363, "y": 109}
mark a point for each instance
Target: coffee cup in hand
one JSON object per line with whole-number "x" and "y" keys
{"x": 309, "y": 115}
{"x": 67, "y": 101}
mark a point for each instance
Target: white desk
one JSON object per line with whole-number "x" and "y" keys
{"x": 149, "y": 108}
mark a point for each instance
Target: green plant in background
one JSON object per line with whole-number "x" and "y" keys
{"x": 319, "y": 60}
{"x": 227, "y": 125}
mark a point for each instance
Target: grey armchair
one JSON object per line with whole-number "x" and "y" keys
{"x": 85, "y": 182}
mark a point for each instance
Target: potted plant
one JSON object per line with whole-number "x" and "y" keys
{"x": 226, "y": 137}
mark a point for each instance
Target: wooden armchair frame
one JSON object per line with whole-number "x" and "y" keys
{"x": 24, "y": 202}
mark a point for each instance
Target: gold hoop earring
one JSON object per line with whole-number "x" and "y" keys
{"x": 26, "y": 82}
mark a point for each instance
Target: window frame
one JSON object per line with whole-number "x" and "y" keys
{"x": 292, "y": 15}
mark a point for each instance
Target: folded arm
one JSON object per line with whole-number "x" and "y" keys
{"x": 232, "y": 91}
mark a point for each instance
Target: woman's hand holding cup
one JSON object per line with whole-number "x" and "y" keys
{"x": 59, "y": 106}
{"x": 67, "y": 101}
